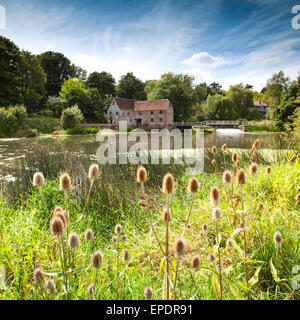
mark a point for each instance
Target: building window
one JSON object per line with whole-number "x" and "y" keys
{"x": 160, "y": 119}
{"x": 160, "y": 112}
{"x": 152, "y": 112}
{"x": 152, "y": 120}
{"x": 128, "y": 113}
{"x": 140, "y": 113}
{"x": 117, "y": 113}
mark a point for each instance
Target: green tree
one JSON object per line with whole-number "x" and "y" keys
{"x": 220, "y": 108}
{"x": 242, "y": 100}
{"x": 104, "y": 82}
{"x": 131, "y": 87}
{"x": 71, "y": 117}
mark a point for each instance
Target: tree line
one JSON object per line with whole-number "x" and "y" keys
{"x": 50, "y": 83}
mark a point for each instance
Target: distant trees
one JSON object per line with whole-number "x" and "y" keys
{"x": 242, "y": 100}
{"x": 104, "y": 82}
{"x": 131, "y": 87}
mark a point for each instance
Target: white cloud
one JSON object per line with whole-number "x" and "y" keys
{"x": 204, "y": 59}
{"x": 200, "y": 75}
{"x": 127, "y": 49}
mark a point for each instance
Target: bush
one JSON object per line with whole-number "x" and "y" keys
{"x": 8, "y": 121}
{"x": 20, "y": 112}
{"x": 71, "y": 117}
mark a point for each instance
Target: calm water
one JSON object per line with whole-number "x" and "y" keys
{"x": 11, "y": 149}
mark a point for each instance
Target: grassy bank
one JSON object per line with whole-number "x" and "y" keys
{"x": 27, "y": 243}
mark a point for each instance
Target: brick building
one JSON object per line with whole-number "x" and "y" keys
{"x": 139, "y": 113}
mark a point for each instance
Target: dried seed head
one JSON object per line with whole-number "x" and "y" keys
{"x": 94, "y": 171}
{"x": 204, "y": 227}
{"x": 195, "y": 261}
{"x": 234, "y": 157}
{"x": 50, "y": 286}
{"x": 207, "y": 240}
{"x": 261, "y": 206}
{"x": 268, "y": 170}
{"x": 168, "y": 183}
{"x": 65, "y": 182}
{"x": 61, "y": 216}
{"x": 237, "y": 163}
{"x": 179, "y": 245}
{"x": 38, "y": 179}
{"x": 73, "y": 240}
{"x": 193, "y": 186}
{"x": 118, "y": 229}
{"x": 298, "y": 197}
{"x": 88, "y": 234}
{"x": 217, "y": 213}
{"x": 97, "y": 259}
{"x": 56, "y": 226}
{"x": 253, "y": 168}
{"x": 166, "y": 215}
{"x": 91, "y": 289}
{"x": 211, "y": 257}
{"x": 277, "y": 237}
{"x": 214, "y": 196}
{"x": 213, "y": 162}
{"x": 256, "y": 144}
{"x": 124, "y": 238}
{"x": 141, "y": 175}
{"x": 126, "y": 256}
{"x": 188, "y": 226}
{"x": 114, "y": 239}
{"x": 224, "y": 147}
{"x": 214, "y": 149}
{"x": 148, "y": 293}
{"x": 201, "y": 234}
{"x": 38, "y": 276}
{"x": 57, "y": 209}
{"x": 227, "y": 176}
{"x": 241, "y": 177}
{"x": 229, "y": 242}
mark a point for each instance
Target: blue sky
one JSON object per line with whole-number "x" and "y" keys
{"x": 214, "y": 40}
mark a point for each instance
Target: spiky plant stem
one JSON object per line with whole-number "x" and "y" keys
{"x": 189, "y": 214}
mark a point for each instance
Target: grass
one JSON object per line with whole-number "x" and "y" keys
{"x": 261, "y": 128}
{"x": 26, "y": 241}
{"x": 44, "y": 124}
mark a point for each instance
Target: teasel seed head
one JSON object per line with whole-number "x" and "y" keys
{"x": 65, "y": 182}
{"x": 50, "y": 286}
{"x": 298, "y": 197}
{"x": 241, "y": 177}
{"x": 193, "y": 185}
{"x": 114, "y": 239}
{"x": 97, "y": 259}
{"x": 168, "y": 183}
{"x": 195, "y": 261}
{"x": 207, "y": 240}
{"x": 38, "y": 179}
{"x": 179, "y": 245}
{"x": 38, "y": 276}
{"x": 126, "y": 256}
{"x": 201, "y": 234}
{"x": 124, "y": 238}
{"x": 214, "y": 149}
{"x": 73, "y": 240}
{"x": 217, "y": 213}
{"x": 234, "y": 157}
{"x": 61, "y": 216}
{"x": 188, "y": 226}
{"x": 211, "y": 257}
{"x": 253, "y": 168}
{"x": 204, "y": 227}
{"x": 224, "y": 147}
{"x": 167, "y": 216}
{"x": 268, "y": 170}
{"x": 256, "y": 144}
{"x": 237, "y": 163}
{"x": 141, "y": 175}
{"x": 57, "y": 209}
{"x": 94, "y": 171}
{"x": 213, "y": 162}
{"x": 88, "y": 234}
{"x": 261, "y": 206}
{"x": 118, "y": 229}
{"x": 214, "y": 195}
{"x": 91, "y": 289}
{"x": 277, "y": 238}
{"x": 148, "y": 293}
{"x": 56, "y": 226}
{"x": 226, "y": 176}
{"x": 229, "y": 242}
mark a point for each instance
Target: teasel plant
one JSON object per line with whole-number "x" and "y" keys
{"x": 195, "y": 264}
{"x": 97, "y": 260}
{"x": 241, "y": 180}
{"x": 65, "y": 184}
{"x": 93, "y": 174}
{"x": 50, "y": 288}
{"x": 193, "y": 188}
{"x": 118, "y": 231}
{"x": 38, "y": 181}
{"x": 255, "y": 147}
{"x": 179, "y": 248}
{"x": 213, "y": 161}
{"x": 38, "y": 278}
{"x": 73, "y": 242}
{"x": 224, "y": 148}
{"x": 252, "y": 171}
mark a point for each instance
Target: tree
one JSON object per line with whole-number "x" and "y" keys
{"x": 242, "y": 100}
{"x": 215, "y": 88}
{"x": 10, "y": 73}
{"x": 33, "y": 80}
{"x": 71, "y": 117}
{"x": 220, "y": 108}
{"x": 131, "y": 87}
{"x": 104, "y": 82}
{"x": 58, "y": 68}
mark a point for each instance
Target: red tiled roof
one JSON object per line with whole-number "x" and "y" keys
{"x": 257, "y": 104}
{"x": 125, "y": 104}
{"x": 152, "y": 105}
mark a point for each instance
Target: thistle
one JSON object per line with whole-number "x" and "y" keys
{"x": 214, "y": 196}
{"x": 141, "y": 177}
{"x": 93, "y": 175}
{"x": 97, "y": 260}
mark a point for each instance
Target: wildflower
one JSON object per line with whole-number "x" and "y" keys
{"x": 241, "y": 177}
{"x": 195, "y": 261}
{"x": 217, "y": 213}
{"x": 148, "y": 293}
{"x": 253, "y": 168}
{"x": 193, "y": 186}
{"x": 298, "y": 197}
{"x": 38, "y": 276}
{"x": 91, "y": 289}
{"x": 168, "y": 183}
{"x": 256, "y": 144}
{"x": 65, "y": 182}
{"x": 56, "y": 226}
{"x": 226, "y": 176}
{"x": 38, "y": 179}
{"x": 94, "y": 171}
{"x": 213, "y": 162}
{"x": 211, "y": 257}
{"x": 73, "y": 240}
{"x": 234, "y": 157}
{"x": 237, "y": 163}
{"x": 229, "y": 242}
{"x": 97, "y": 259}
{"x": 214, "y": 149}
{"x": 126, "y": 256}
{"x": 261, "y": 206}
{"x": 277, "y": 237}
{"x": 224, "y": 147}
{"x": 141, "y": 175}
{"x": 214, "y": 195}
{"x": 88, "y": 234}
{"x": 118, "y": 229}
{"x": 179, "y": 245}
{"x": 114, "y": 239}
{"x": 62, "y": 217}
{"x": 124, "y": 238}
{"x": 166, "y": 216}
{"x": 50, "y": 286}
{"x": 204, "y": 227}
{"x": 268, "y": 170}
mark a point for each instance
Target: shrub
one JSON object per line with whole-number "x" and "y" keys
{"x": 8, "y": 121}
{"x": 71, "y": 117}
{"x": 20, "y": 112}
